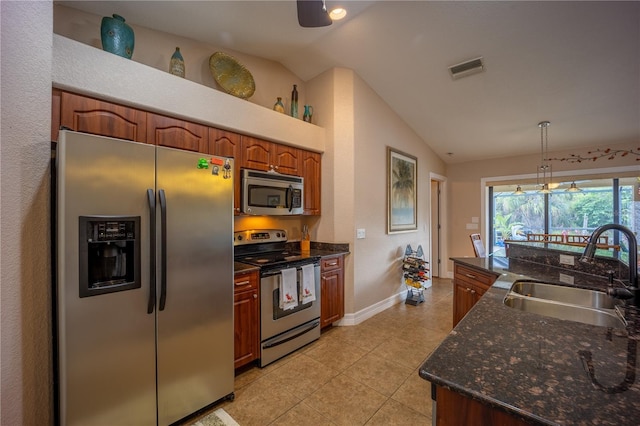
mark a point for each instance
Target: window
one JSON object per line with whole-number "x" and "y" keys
{"x": 599, "y": 202}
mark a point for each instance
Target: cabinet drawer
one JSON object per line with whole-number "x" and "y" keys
{"x": 330, "y": 263}
{"x": 244, "y": 281}
{"x": 473, "y": 276}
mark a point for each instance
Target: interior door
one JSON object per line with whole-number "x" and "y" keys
{"x": 195, "y": 311}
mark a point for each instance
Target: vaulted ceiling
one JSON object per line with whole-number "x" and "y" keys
{"x": 576, "y": 64}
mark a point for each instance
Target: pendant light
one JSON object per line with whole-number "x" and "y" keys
{"x": 519, "y": 191}
{"x": 544, "y": 174}
{"x": 573, "y": 188}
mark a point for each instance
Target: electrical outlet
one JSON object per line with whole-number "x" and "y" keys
{"x": 567, "y": 260}
{"x": 360, "y": 233}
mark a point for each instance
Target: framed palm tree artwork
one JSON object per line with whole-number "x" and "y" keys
{"x": 402, "y": 192}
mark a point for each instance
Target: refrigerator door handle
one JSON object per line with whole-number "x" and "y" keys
{"x": 163, "y": 247}
{"x": 152, "y": 250}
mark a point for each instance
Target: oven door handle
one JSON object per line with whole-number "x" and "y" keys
{"x": 307, "y": 329}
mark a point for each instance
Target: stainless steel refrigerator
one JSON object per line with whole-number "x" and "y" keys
{"x": 143, "y": 283}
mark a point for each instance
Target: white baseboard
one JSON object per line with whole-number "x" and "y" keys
{"x": 368, "y": 312}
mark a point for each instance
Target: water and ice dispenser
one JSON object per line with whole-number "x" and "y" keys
{"x": 109, "y": 254}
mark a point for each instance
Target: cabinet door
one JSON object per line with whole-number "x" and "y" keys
{"x": 331, "y": 291}
{"x": 287, "y": 160}
{"x": 227, "y": 144}
{"x": 256, "y": 154}
{"x": 464, "y": 297}
{"x": 89, "y": 115}
{"x": 180, "y": 134}
{"x": 246, "y": 311}
{"x": 311, "y": 172}
{"x": 224, "y": 143}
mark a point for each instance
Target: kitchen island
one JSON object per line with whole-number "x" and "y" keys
{"x": 507, "y": 366}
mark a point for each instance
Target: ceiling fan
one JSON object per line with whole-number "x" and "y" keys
{"x": 313, "y": 13}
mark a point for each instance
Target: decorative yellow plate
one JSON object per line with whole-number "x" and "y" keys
{"x": 231, "y": 75}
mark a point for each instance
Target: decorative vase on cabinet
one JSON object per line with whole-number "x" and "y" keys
{"x": 176, "y": 65}
{"x": 308, "y": 113}
{"x": 279, "y": 106}
{"x": 117, "y": 37}
{"x": 294, "y": 101}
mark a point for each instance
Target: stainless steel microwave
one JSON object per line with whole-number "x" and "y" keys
{"x": 271, "y": 193}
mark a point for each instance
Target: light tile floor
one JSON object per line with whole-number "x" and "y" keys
{"x": 354, "y": 375}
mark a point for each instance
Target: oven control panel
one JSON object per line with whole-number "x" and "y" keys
{"x": 257, "y": 236}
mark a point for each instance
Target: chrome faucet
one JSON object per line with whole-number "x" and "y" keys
{"x": 590, "y": 250}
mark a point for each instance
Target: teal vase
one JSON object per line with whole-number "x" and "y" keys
{"x": 117, "y": 37}
{"x": 308, "y": 113}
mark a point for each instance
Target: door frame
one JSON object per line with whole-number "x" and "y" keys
{"x": 438, "y": 225}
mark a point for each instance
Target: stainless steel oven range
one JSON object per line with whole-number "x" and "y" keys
{"x": 289, "y": 291}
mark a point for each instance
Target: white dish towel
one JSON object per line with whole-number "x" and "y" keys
{"x": 308, "y": 284}
{"x": 289, "y": 289}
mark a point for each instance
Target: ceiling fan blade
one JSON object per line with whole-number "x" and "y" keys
{"x": 311, "y": 14}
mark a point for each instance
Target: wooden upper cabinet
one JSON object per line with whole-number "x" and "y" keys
{"x": 223, "y": 143}
{"x": 84, "y": 114}
{"x": 311, "y": 172}
{"x": 259, "y": 154}
{"x": 180, "y": 134}
{"x": 227, "y": 144}
{"x": 287, "y": 160}
{"x": 256, "y": 154}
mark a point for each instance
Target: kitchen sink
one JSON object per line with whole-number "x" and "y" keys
{"x": 568, "y": 303}
{"x": 563, "y": 294}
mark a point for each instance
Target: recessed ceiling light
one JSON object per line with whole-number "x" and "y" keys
{"x": 337, "y": 13}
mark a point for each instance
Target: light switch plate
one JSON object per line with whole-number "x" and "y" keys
{"x": 360, "y": 233}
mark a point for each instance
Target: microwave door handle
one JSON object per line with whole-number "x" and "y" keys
{"x": 289, "y": 198}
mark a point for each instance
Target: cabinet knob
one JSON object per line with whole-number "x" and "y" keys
{"x": 255, "y": 296}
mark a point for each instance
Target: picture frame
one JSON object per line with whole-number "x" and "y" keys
{"x": 402, "y": 192}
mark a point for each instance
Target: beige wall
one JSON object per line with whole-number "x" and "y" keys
{"x": 377, "y": 274}
{"x": 25, "y": 302}
{"x": 465, "y": 190}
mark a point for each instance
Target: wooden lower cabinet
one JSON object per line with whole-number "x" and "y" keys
{"x": 246, "y": 317}
{"x": 469, "y": 284}
{"x": 331, "y": 290}
{"x": 454, "y": 409}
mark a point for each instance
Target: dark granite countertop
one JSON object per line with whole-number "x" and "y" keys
{"x": 532, "y": 366}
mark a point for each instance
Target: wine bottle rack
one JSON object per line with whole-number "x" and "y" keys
{"x": 415, "y": 273}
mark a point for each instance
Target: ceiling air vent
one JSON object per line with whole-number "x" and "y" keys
{"x": 464, "y": 69}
